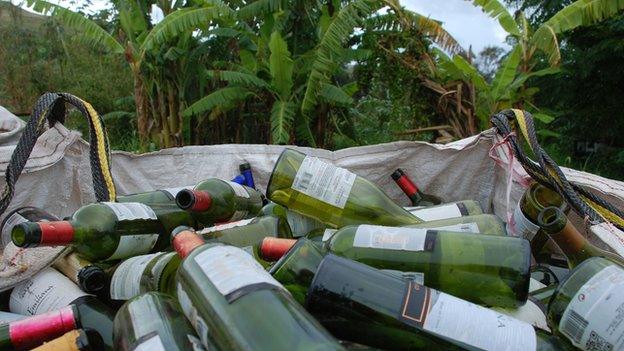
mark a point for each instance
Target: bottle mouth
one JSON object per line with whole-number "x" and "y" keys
{"x": 93, "y": 279}
{"x": 193, "y": 200}
{"x": 398, "y": 173}
{"x": 549, "y": 216}
{"x": 244, "y": 167}
{"x": 26, "y": 235}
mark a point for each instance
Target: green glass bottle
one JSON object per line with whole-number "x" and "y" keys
{"x": 300, "y": 225}
{"x": 31, "y": 331}
{"x": 446, "y": 211}
{"x": 330, "y": 194}
{"x": 588, "y": 306}
{"x": 247, "y": 232}
{"x": 297, "y": 265}
{"x": 571, "y": 242}
{"x": 106, "y": 230}
{"x": 349, "y": 297}
{"x": 417, "y": 197}
{"x": 219, "y": 201}
{"x": 523, "y": 222}
{"x": 145, "y": 273}
{"x": 49, "y": 290}
{"x": 231, "y": 300}
{"x": 90, "y": 277}
{"x": 480, "y": 224}
{"x": 485, "y": 269}
{"x": 154, "y": 322}
{"x": 155, "y": 197}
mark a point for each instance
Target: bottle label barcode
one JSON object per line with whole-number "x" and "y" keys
{"x": 324, "y": 182}
{"x": 594, "y": 317}
{"x": 574, "y": 326}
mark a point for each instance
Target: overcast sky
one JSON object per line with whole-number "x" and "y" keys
{"x": 467, "y": 23}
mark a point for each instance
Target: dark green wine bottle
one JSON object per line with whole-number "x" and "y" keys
{"x": 156, "y": 197}
{"x": 219, "y": 201}
{"x": 247, "y": 232}
{"x": 106, "y": 230}
{"x": 230, "y": 299}
{"x": 571, "y": 242}
{"x": 145, "y": 273}
{"x": 153, "y": 322}
{"x": 300, "y": 225}
{"x": 331, "y": 194}
{"x": 485, "y": 269}
{"x": 588, "y": 306}
{"x": 417, "y": 197}
{"x": 49, "y": 290}
{"x": 365, "y": 305}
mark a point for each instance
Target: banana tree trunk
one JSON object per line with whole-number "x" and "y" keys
{"x": 141, "y": 108}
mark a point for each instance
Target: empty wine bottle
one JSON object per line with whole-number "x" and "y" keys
{"x": 587, "y": 308}
{"x": 247, "y": 232}
{"x": 153, "y": 322}
{"x": 145, "y": 273}
{"x": 523, "y": 222}
{"x": 21, "y": 215}
{"x": 164, "y": 196}
{"x": 446, "y": 211}
{"x": 50, "y": 290}
{"x": 106, "y": 230}
{"x": 331, "y": 194}
{"x": 417, "y": 197}
{"x": 572, "y": 243}
{"x": 296, "y": 266}
{"x": 300, "y": 225}
{"x": 230, "y": 299}
{"x": 90, "y": 277}
{"x": 485, "y": 269}
{"x": 75, "y": 340}
{"x": 365, "y": 305}
{"x": 218, "y": 201}
{"x": 32, "y": 331}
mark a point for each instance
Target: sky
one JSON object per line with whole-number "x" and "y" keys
{"x": 464, "y": 21}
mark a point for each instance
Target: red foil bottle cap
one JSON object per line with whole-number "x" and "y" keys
{"x": 35, "y": 330}
{"x": 406, "y": 184}
{"x": 272, "y": 249}
{"x": 56, "y": 233}
{"x": 186, "y": 241}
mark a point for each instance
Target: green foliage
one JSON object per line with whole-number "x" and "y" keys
{"x": 498, "y": 11}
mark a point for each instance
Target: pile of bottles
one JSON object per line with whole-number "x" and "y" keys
{"x": 325, "y": 261}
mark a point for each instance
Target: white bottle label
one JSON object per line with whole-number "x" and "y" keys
{"x": 230, "y": 268}
{"x": 328, "y": 234}
{"x": 133, "y": 245}
{"x": 437, "y": 212}
{"x": 390, "y": 238}
{"x": 239, "y": 190}
{"x": 126, "y": 281}
{"x": 131, "y": 211}
{"x": 227, "y": 225}
{"x": 594, "y": 318}
{"x": 521, "y": 226}
{"x": 174, "y": 191}
{"x": 529, "y": 313}
{"x": 47, "y": 291}
{"x": 301, "y": 225}
{"x": 324, "y": 182}
{"x": 11, "y": 222}
{"x": 465, "y": 322}
{"x": 471, "y": 227}
{"x": 152, "y": 344}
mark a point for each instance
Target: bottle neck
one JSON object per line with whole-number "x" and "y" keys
{"x": 185, "y": 241}
{"x": 34, "y": 330}
{"x": 571, "y": 242}
{"x": 405, "y": 183}
{"x": 194, "y": 200}
{"x": 272, "y": 249}
{"x": 53, "y": 233}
